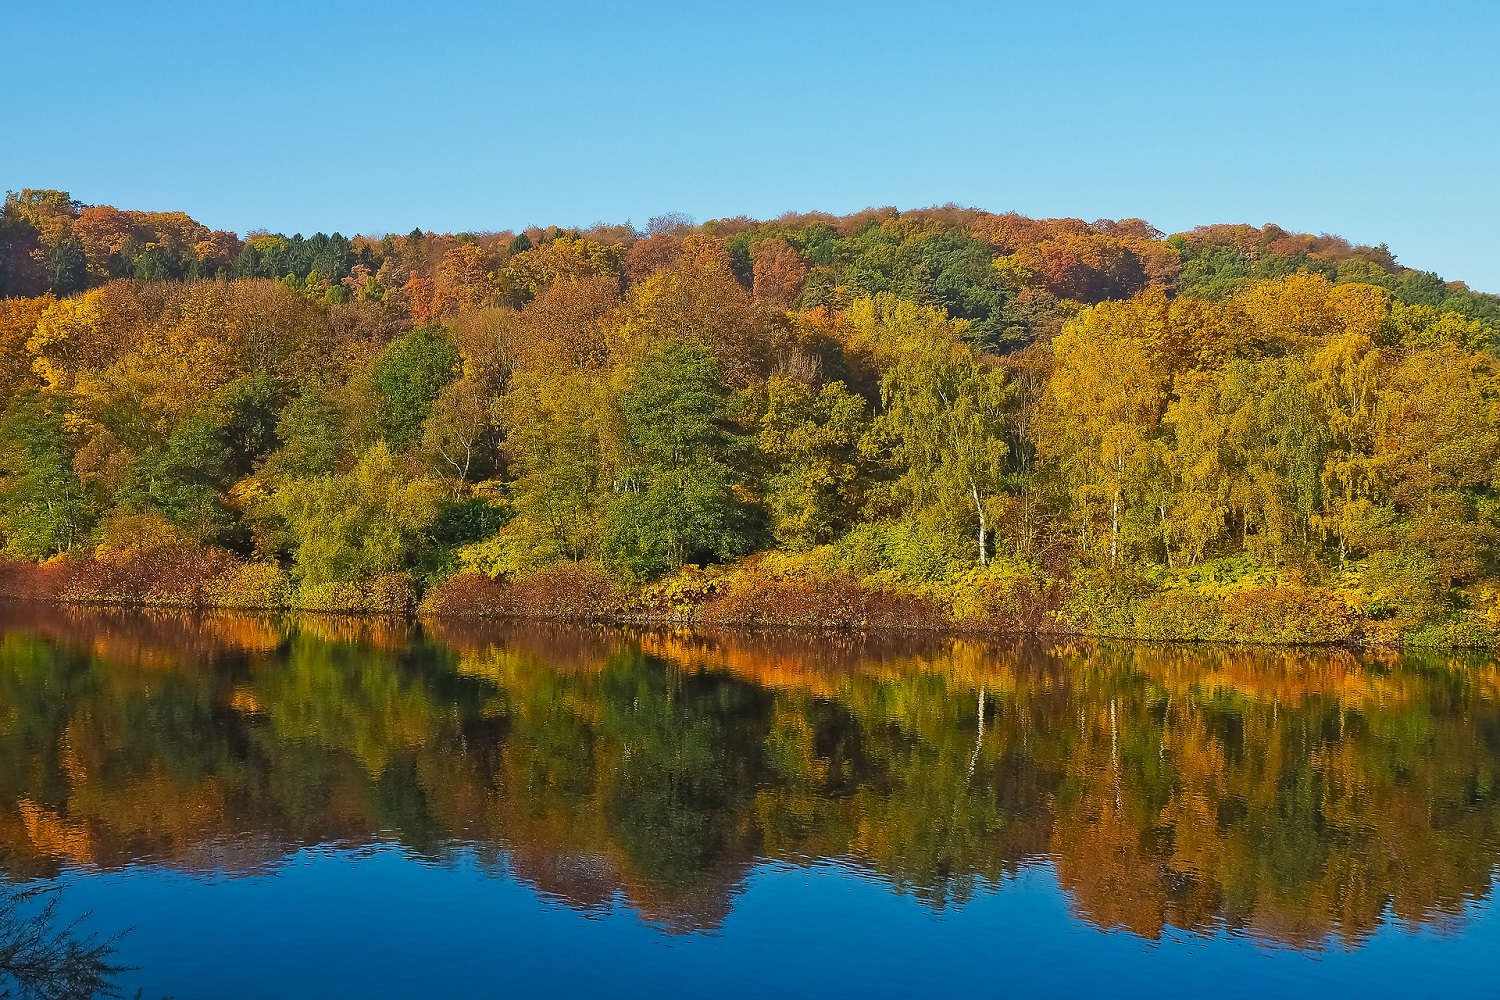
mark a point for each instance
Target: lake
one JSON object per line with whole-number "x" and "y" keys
{"x": 319, "y": 807}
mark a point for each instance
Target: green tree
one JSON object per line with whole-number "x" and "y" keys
{"x": 184, "y": 479}
{"x": 409, "y": 375}
{"x": 43, "y": 509}
{"x": 373, "y": 519}
{"x": 678, "y": 497}
{"x": 812, "y": 439}
{"x": 311, "y": 434}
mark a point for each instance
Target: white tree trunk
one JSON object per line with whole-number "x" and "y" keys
{"x": 984, "y": 553}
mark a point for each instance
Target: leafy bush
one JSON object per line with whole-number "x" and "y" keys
{"x": 252, "y": 586}
{"x": 385, "y": 594}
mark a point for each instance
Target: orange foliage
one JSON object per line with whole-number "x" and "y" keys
{"x": 420, "y": 299}
{"x": 779, "y": 272}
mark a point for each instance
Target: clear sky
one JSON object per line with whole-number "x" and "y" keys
{"x": 1377, "y": 121}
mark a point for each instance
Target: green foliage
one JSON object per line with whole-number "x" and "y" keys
{"x": 945, "y": 269}
{"x": 1401, "y": 583}
{"x": 372, "y": 520}
{"x": 919, "y": 547}
{"x": 248, "y": 413}
{"x": 310, "y": 432}
{"x": 812, "y": 439}
{"x": 43, "y": 510}
{"x": 678, "y": 501}
{"x": 409, "y": 375}
{"x": 457, "y": 525}
{"x": 66, "y": 267}
{"x": 183, "y": 479}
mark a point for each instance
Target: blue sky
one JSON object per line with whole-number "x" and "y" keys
{"x": 1378, "y": 121}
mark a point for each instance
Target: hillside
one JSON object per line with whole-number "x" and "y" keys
{"x": 934, "y": 418}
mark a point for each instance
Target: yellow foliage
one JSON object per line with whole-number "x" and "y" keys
{"x": 55, "y": 342}
{"x": 563, "y": 259}
{"x": 127, "y": 534}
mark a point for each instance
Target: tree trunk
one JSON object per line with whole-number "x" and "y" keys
{"x": 984, "y": 555}
{"x": 1114, "y": 529}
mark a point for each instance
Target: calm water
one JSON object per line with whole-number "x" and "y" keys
{"x": 314, "y": 807}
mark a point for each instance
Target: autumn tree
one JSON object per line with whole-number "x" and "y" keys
{"x": 1101, "y": 412}
{"x": 778, "y": 272}
{"x": 559, "y": 429}
{"x": 812, "y": 436}
{"x": 942, "y": 410}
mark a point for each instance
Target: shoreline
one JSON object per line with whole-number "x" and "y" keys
{"x": 659, "y": 623}
{"x": 764, "y": 593}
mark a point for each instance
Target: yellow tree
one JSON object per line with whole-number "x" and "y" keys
{"x": 1199, "y": 504}
{"x": 942, "y": 408}
{"x": 1101, "y": 412}
{"x": 1439, "y": 438}
{"x": 698, "y": 301}
{"x": 1347, "y": 371}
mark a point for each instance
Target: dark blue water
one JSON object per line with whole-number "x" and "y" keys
{"x": 379, "y": 923}
{"x": 314, "y": 808}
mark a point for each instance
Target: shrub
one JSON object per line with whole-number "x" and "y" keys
{"x": 254, "y": 585}
{"x": 1103, "y": 601}
{"x": 1288, "y": 613}
{"x": 25, "y": 580}
{"x": 177, "y": 575}
{"x": 571, "y": 591}
{"x": 678, "y": 596}
{"x": 1460, "y": 629}
{"x": 809, "y": 592}
{"x": 386, "y": 594}
{"x": 467, "y": 595}
{"x": 1004, "y": 597}
{"x": 918, "y": 547}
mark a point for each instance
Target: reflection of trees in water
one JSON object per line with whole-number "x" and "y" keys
{"x": 43, "y": 957}
{"x": 1288, "y": 794}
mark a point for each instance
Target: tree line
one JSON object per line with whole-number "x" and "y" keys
{"x": 1135, "y": 434}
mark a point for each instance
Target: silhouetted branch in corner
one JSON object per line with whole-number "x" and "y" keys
{"x": 41, "y": 959}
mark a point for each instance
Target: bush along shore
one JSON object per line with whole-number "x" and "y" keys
{"x": 803, "y": 591}
{"x": 935, "y": 419}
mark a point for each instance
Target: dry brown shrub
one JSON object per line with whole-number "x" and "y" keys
{"x": 753, "y": 598}
{"x": 168, "y": 576}
{"x": 24, "y": 580}
{"x": 570, "y": 591}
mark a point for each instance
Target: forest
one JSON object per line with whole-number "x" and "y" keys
{"x": 943, "y": 418}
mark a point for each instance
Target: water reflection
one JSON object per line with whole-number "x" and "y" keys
{"x": 1290, "y": 795}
